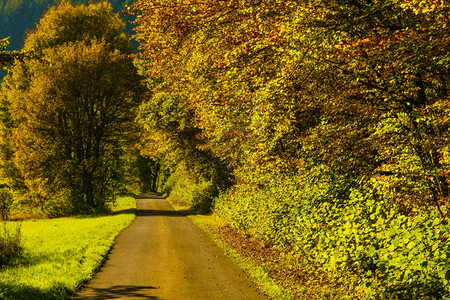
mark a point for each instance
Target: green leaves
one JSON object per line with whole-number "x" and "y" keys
{"x": 73, "y": 109}
{"x": 392, "y": 255}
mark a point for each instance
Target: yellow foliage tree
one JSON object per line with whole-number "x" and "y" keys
{"x": 73, "y": 109}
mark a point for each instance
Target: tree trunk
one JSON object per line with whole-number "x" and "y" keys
{"x": 155, "y": 177}
{"x": 88, "y": 190}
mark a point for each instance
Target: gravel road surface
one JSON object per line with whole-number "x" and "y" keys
{"x": 163, "y": 255}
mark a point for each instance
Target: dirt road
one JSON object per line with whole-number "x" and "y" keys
{"x": 163, "y": 255}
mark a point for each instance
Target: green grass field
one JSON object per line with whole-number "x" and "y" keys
{"x": 61, "y": 254}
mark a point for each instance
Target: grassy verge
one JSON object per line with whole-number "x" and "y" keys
{"x": 257, "y": 272}
{"x": 213, "y": 225}
{"x": 277, "y": 275}
{"x": 61, "y": 254}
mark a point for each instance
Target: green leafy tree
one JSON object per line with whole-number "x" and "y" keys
{"x": 73, "y": 110}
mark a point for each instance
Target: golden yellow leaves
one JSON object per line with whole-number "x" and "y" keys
{"x": 424, "y": 6}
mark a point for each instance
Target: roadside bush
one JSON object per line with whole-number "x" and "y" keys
{"x": 392, "y": 255}
{"x": 196, "y": 193}
{"x": 358, "y": 239}
{"x": 10, "y": 244}
{"x": 6, "y": 201}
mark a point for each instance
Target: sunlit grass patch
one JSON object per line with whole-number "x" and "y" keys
{"x": 60, "y": 254}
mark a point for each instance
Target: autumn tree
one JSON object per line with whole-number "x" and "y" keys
{"x": 237, "y": 65}
{"x": 73, "y": 109}
{"x": 278, "y": 84}
{"x": 9, "y": 172}
{"x": 328, "y": 113}
{"x": 7, "y": 58}
{"x": 390, "y": 55}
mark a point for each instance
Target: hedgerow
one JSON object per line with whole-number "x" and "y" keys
{"x": 361, "y": 238}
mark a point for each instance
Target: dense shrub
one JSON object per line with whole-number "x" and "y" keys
{"x": 183, "y": 189}
{"x": 6, "y": 201}
{"x": 10, "y": 245}
{"x": 388, "y": 254}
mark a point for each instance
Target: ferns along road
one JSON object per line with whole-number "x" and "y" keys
{"x": 163, "y": 255}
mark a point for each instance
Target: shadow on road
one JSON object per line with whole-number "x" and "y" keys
{"x": 121, "y": 291}
{"x": 164, "y": 213}
{"x": 152, "y": 196}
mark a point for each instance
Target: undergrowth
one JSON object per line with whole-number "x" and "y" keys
{"x": 10, "y": 244}
{"x": 184, "y": 190}
{"x": 356, "y": 240}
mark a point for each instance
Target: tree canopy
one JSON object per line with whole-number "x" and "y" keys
{"x": 325, "y": 113}
{"x": 20, "y": 16}
{"x": 275, "y": 80}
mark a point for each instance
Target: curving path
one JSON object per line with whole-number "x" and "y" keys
{"x": 163, "y": 255}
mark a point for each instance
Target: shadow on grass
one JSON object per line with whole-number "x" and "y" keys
{"x": 120, "y": 291}
{"x": 10, "y": 291}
